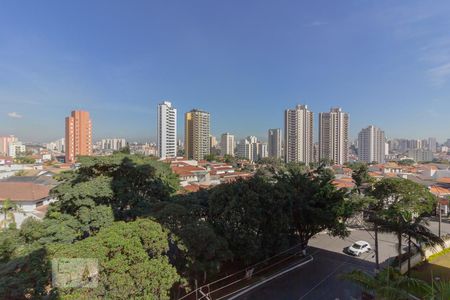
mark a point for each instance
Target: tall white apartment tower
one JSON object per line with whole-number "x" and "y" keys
{"x": 298, "y": 134}
{"x": 333, "y": 136}
{"x": 227, "y": 144}
{"x": 167, "y": 130}
{"x": 371, "y": 145}
{"x": 274, "y": 143}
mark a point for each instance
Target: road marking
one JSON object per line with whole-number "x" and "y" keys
{"x": 328, "y": 276}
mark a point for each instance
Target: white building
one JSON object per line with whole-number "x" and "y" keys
{"x": 115, "y": 144}
{"x": 250, "y": 148}
{"x": 167, "y": 130}
{"x": 371, "y": 145}
{"x": 16, "y": 148}
{"x": 227, "y": 144}
{"x": 298, "y": 134}
{"x": 274, "y": 143}
{"x": 420, "y": 155}
{"x": 333, "y": 136}
{"x": 57, "y": 145}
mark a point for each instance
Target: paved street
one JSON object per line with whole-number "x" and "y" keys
{"x": 320, "y": 278}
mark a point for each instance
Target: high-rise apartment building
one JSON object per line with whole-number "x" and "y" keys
{"x": 432, "y": 144}
{"x": 274, "y": 143}
{"x": 227, "y": 144}
{"x": 167, "y": 130}
{"x": 196, "y": 135}
{"x": 371, "y": 145}
{"x": 4, "y": 143}
{"x": 115, "y": 144}
{"x": 78, "y": 135}
{"x": 251, "y": 149}
{"x": 333, "y": 136}
{"x": 298, "y": 134}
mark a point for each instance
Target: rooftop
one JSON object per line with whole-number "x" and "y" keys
{"x": 23, "y": 191}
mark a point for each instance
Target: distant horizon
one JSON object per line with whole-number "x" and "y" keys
{"x": 386, "y": 64}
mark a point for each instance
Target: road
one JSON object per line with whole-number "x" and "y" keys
{"x": 320, "y": 279}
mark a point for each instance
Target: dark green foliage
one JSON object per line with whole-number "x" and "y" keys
{"x": 250, "y": 218}
{"x": 131, "y": 259}
{"x": 128, "y": 184}
{"x": 26, "y": 277}
{"x": 314, "y": 203}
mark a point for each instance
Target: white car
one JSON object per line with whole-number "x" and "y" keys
{"x": 359, "y": 247}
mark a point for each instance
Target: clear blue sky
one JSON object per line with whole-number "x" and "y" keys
{"x": 387, "y": 63}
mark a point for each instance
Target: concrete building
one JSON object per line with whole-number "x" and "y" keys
{"x": 274, "y": 143}
{"x": 298, "y": 134}
{"x": 333, "y": 136}
{"x": 227, "y": 144}
{"x": 166, "y": 130}
{"x": 196, "y": 135}
{"x": 78, "y": 135}
{"x": 371, "y": 145}
{"x": 115, "y": 144}
{"x": 213, "y": 142}
{"x": 420, "y": 155}
{"x": 432, "y": 144}
{"x": 252, "y": 149}
{"x": 57, "y": 145}
{"x": 16, "y": 148}
{"x": 4, "y": 143}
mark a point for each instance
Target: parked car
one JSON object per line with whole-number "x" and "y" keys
{"x": 358, "y": 248}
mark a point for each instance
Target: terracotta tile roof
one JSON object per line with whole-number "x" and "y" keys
{"x": 23, "y": 191}
{"x": 343, "y": 183}
{"x": 439, "y": 191}
{"x": 186, "y": 170}
{"x": 444, "y": 180}
{"x": 192, "y": 188}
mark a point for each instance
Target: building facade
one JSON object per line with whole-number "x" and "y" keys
{"x": 333, "y": 136}
{"x": 252, "y": 149}
{"x": 371, "y": 145}
{"x": 274, "y": 143}
{"x": 115, "y": 144}
{"x": 298, "y": 134}
{"x": 167, "y": 130}
{"x": 4, "y": 143}
{"x": 196, "y": 135}
{"x": 227, "y": 144}
{"x": 78, "y": 135}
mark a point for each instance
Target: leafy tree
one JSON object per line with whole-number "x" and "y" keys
{"x": 10, "y": 240}
{"x": 250, "y": 218}
{"x": 406, "y": 162}
{"x": 58, "y": 228}
{"x": 132, "y": 262}
{"x": 210, "y": 157}
{"x": 314, "y": 203}
{"x": 360, "y": 175}
{"x": 198, "y": 250}
{"x": 24, "y": 160}
{"x": 8, "y": 211}
{"x": 26, "y": 277}
{"x": 400, "y": 207}
{"x": 128, "y": 184}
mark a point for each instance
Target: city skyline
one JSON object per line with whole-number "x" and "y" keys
{"x": 386, "y": 65}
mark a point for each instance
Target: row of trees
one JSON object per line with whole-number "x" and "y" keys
{"x": 125, "y": 211}
{"x": 398, "y": 206}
